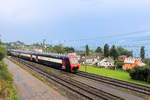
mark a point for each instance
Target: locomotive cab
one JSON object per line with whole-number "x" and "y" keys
{"x": 70, "y": 64}
{"x": 74, "y": 63}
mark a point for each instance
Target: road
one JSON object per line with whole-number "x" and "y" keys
{"x": 29, "y": 87}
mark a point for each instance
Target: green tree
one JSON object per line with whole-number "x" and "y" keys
{"x": 49, "y": 49}
{"x": 119, "y": 64}
{"x": 2, "y": 52}
{"x": 123, "y": 51}
{"x": 99, "y": 50}
{"x": 106, "y": 50}
{"x": 87, "y": 50}
{"x": 113, "y": 52}
{"x": 69, "y": 49}
{"x": 142, "y": 52}
{"x": 0, "y": 40}
{"x": 58, "y": 49}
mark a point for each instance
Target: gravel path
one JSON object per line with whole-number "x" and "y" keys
{"x": 29, "y": 87}
{"x": 109, "y": 89}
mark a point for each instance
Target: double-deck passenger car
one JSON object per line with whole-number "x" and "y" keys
{"x": 67, "y": 63}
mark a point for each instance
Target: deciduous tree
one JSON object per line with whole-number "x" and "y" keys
{"x": 99, "y": 50}
{"x": 2, "y": 52}
{"x": 123, "y": 51}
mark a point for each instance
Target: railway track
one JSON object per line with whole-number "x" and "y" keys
{"x": 140, "y": 89}
{"x": 82, "y": 89}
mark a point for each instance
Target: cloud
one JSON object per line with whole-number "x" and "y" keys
{"x": 57, "y": 9}
{"x": 37, "y": 9}
{"x": 74, "y": 17}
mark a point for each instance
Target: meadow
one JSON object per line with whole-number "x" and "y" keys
{"x": 117, "y": 74}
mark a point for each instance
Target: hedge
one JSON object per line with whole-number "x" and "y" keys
{"x": 140, "y": 73}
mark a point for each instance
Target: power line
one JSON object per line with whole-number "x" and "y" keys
{"x": 108, "y": 36}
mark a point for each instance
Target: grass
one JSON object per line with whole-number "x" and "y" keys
{"x": 117, "y": 74}
{"x": 7, "y": 90}
{"x": 13, "y": 93}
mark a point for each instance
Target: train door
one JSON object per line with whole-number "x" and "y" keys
{"x": 37, "y": 59}
{"x": 67, "y": 65}
{"x": 31, "y": 57}
{"x": 63, "y": 64}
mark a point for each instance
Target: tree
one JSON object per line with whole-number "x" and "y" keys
{"x": 0, "y": 40}
{"x": 87, "y": 50}
{"x": 113, "y": 52}
{"x": 2, "y": 52}
{"x": 69, "y": 49}
{"x": 119, "y": 64}
{"x": 99, "y": 50}
{"x": 142, "y": 52}
{"x": 106, "y": 50}
{"x": 123, "y": 51}
{"x": 58, "y": 49}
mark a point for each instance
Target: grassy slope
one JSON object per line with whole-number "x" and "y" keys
{"x": 7, "y": 81}
{"x": 117, "y": 74}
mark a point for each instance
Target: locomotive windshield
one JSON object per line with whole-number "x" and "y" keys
{"x": 74, "y": 61}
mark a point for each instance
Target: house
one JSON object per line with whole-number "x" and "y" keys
{"x": 97, "y": 55}
{"x": 90, "y": 60}
{"x": 146, "y": 60}
{"x": 106, "y": 62}
{"x": 72, "y": 54}
{"x": 81, "y": 61}
{"x": 131, "y": 62}
{"x": 122, "y": 58}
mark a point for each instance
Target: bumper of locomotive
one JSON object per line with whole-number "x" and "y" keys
{"x": 75, "y": 69}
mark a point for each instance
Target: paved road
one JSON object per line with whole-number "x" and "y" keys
{"x": 29, "y": 87}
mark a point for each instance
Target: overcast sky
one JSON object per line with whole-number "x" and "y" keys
{"x": 31, "y": 21}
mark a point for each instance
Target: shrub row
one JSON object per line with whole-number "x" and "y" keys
{"x": 140, "y": 73}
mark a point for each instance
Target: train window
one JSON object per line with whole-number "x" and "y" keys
{"x": 74, "y": 61}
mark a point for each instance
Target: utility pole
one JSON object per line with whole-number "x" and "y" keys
{"x": 85, "y": 60}
{"x": 43, "y": 44}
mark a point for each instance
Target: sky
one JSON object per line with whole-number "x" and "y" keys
{"x": 32, "y": 21}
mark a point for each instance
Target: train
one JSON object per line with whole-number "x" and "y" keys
{"x": 58, "y": 61}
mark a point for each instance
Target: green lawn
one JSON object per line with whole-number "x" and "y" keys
{"x": 117, "y": 74}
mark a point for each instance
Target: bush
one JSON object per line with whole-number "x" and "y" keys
{"x": 119, "y": 64}
{"x": 2, "y": 52}
{"x": 148, "y": 79}
{"x": 4, "y": 74}
{"x": 140, "y": 73}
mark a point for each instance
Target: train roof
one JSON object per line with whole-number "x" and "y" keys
{"x": 52, "y": 55}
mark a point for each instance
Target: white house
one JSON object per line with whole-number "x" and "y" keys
{"x": 106, "y": 62}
